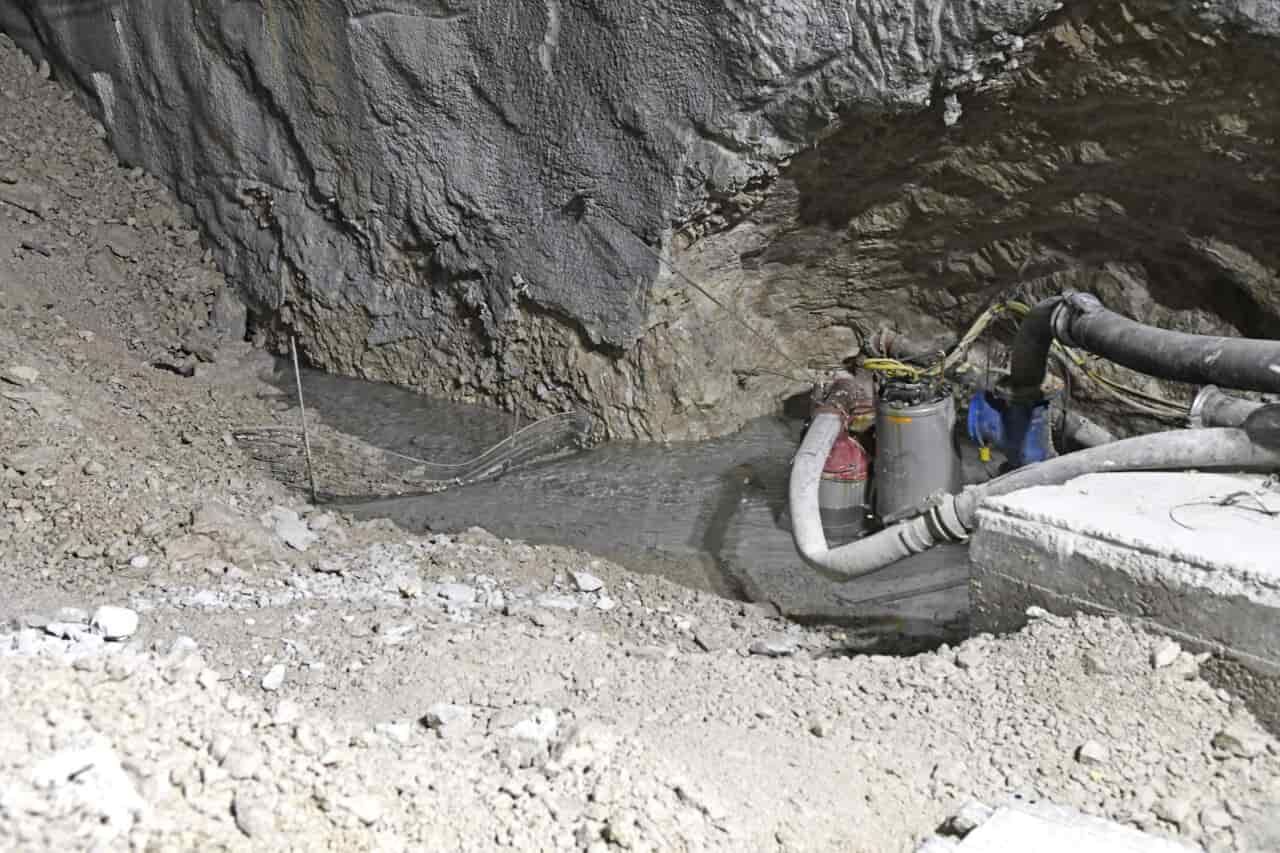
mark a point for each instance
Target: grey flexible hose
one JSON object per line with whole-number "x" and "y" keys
{"x": 1246, "y": 363}
{"x": 1080, "y": 320}
{"x": 1212, "y": 408}
{"x": 856, "y": 558}
{"x": 1221, "y": 449}
{"x": 1085, "y": 432}
{"x": 955, "y": 516}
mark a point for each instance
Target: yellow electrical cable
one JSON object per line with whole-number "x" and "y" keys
{"x": 1149, "y": 403}
{"x": 894, "y": 367}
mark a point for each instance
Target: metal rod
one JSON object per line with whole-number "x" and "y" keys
{"x": 302, "y": 411}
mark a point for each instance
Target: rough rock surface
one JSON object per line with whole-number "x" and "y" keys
{"x": 473, "y": 199}
{"x": 1124, "y": 149}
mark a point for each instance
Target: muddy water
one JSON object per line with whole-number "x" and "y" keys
{"x": 710, "y": 515}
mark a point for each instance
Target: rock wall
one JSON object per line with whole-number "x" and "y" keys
{"x": 498, "y": 200}
{"x": 1124, "y": 149}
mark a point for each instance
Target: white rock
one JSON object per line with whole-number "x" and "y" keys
{"x": 1093, "y": 754}
{"x": 366, "y": 808}
{"x": 971, "y": 656}
{"x": 409, "y": 586}
{"x": 540, "y": 728}
{"x": 456, "y": 593}
{"x": 1240, "y": 740}
{"x": 444, "y": 715}
{"x": 294, "y": 533}
{"x": 139, "y": 561}
{"x": 114, "y": 623}
{"x": 1164, "y": 654}
{"x": 1175, "y": 810}
{"x": 397, "y": 732}
{"x": 91, "y": 780}
{"x": 776, "y": 646}
{"x": 20, "y": 375}
{"x": 585, "y": 745}
{"x": 1215, "y": 818}
{"x": 274, "y": 678}
{"x": 587, "y": 582}
{"x": 73, "y": 631}
{"x": 951, "y": 110}
{"x": 253, "y": 817}
{"x": 322, "y": 521}
{"x": 971, "y": 815}
{"x": 557, "y": 602}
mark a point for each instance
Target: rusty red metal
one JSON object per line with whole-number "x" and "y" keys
{"x": 848, "y": 460}
{"x": 848, "y": 395}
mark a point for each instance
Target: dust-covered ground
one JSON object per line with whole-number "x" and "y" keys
{"x": 282, "y": 678}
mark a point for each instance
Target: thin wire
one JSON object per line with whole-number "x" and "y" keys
{"x": 1231, "y": 501}
{"x": 486, "y": 457}
{"x": 302, "y": 413}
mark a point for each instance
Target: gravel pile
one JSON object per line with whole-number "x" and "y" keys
{"x": 150, "y": 751}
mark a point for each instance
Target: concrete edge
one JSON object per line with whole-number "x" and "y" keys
{"x": 1253, "y": 679}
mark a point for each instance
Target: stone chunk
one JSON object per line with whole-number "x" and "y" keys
{"x": 776, "y": 646}
{"x": 1240, "y": 740}
{"x": 1165, "y": 654}
{"x": 20, "y": 375}
{"x": 274, "y": 678}
{"x": 587, "y": 582}
{"x": 114, "y": 623}
{"x": 1093, "y": 754}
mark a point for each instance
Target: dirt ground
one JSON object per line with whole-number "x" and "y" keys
{"x": 269, "y": 675}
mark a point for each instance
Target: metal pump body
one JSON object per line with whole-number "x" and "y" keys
{"x": 916, "y": 455}
{"x": 844, "y": 491}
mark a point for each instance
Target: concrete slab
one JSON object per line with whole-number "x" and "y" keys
{"x": 1195, "y": 555}
{"x": 1047, "y": 828}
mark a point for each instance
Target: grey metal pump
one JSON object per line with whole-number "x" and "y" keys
{"x": 1240, "y": 434}
{"x": 952, "y": 517}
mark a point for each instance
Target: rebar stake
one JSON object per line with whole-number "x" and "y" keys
{"x": 302, "y": 411}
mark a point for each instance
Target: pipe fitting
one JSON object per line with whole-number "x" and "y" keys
{"x": 945, "y": 521}
{"x": 1196, "y": 413}
{"x": 844, "y": 395}
{"x": 1212, "y": 408}
{"x": 1263, "y": 426}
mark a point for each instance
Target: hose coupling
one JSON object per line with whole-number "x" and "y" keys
{"x": 844, "y": 395}
{"x": 1074, "y": 304}
{"x": 944, "y": 521}
{"x": 1263, "y": 426}
{"x": 1204, "y": 400}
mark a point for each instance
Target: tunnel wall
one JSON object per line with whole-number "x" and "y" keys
{"x": 488, "y": 200}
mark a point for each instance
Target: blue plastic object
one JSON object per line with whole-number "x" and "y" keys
{"x": 1020, "y": 430}
{"x": 986, "y": 426}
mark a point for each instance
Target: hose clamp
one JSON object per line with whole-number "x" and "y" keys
{"x": 1195, "y": 415}
{"x": 842, "y": 396}
{"x": 1072, "y": 306}
{"x": 946, "y": 520}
